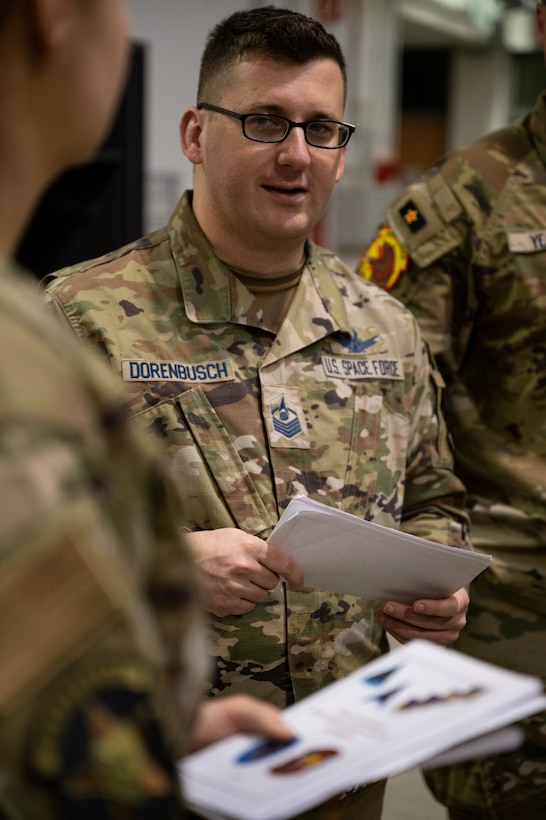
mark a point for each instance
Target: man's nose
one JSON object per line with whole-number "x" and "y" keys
{"x": 295, "y": 148}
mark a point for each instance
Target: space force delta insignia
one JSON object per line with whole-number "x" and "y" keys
{"x": 139, "y": 370}
{"x": 385, "y": 260}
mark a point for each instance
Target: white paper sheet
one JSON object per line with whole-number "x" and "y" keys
{"x": 346, "y": 554}
{"x": 492, "y": 743}
{"x": 395, "y": 713}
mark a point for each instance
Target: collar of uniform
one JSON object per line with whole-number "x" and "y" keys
{"x": 203, "y": 278}
{"x": 317, "y": 309}
{"x": 538, "y": 126}
{"x": 329, "y": 276}
{"x": 205, "y": 281}
{"x": 211, "y": 293}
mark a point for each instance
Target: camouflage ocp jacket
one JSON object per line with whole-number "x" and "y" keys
{"x": 474, "y": 231}
{"x": 102, "y": 645}
{"x": 340, "y": 405}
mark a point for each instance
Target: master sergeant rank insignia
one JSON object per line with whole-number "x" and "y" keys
{"x": 285, "y": 417}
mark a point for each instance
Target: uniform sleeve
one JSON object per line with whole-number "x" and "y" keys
{"x": 77, "y": 691}
{"x": 435, "y": 499}
{"x": 100, "y": 623}
{"x": 443, "y": 225}
{"x": 445, "y": 239}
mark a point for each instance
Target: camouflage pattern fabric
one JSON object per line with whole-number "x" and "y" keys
{"x": 98, "y": 687}
{"x": 340, "y": 405}
{"x": 474, "y": 229}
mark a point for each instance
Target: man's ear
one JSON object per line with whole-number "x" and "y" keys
{"x": 51, "y": 22}
{"x": 191, "y": 132}
{"x": 341, "y": 165}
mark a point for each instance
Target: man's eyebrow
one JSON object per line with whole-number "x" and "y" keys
{"x": 268, "y": 108}
{"x": 274, "y": 108}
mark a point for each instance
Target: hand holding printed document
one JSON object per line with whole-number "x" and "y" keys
{"x": 341, "y": 552}
{"x": 402, "y": 710}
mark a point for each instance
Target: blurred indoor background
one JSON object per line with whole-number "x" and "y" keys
{"x": 425, "y": 76}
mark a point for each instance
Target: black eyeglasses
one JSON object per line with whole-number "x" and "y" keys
{"x": 272, "y": 128}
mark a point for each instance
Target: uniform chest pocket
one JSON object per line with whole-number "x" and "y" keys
{"x": 359, "y": 442}
{"x": 379, "y": 447}
{"x": 212, "y": 479}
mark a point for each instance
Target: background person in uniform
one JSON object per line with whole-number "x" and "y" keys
{"x": 101, "y": 646}
{"x": 474, "y": 228}
{"x": 269, "y": 369}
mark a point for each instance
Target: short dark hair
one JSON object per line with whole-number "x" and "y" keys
{"x": 280, "y": 34}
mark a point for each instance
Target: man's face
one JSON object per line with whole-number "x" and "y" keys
{"x": 267, "y": 194}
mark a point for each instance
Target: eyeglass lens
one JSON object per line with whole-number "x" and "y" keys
{"x": 320, "y": 133}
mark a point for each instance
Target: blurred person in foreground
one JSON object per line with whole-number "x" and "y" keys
{"x": 465, "y": 249}
{"x": 269, "y": 369}
{"x": 101, "y": 646}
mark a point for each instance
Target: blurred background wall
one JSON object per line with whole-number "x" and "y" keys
{"x": 425, "y": 76}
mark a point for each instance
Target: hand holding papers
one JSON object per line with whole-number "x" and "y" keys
{"x": 346, "y": 554}
{"x": 402, "y": 710}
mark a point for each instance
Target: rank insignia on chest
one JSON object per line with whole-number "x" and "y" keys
{"x": 285, "y": 418}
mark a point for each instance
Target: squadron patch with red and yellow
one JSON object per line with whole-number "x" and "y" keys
{"x": 385, "y": 260}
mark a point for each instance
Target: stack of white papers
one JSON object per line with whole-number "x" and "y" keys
{"x": 400, "y": 711}
{"x": 346, "y": 554}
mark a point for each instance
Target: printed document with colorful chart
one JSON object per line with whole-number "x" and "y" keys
{"x": 403, "y": 710}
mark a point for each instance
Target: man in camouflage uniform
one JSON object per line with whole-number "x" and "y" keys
{"x": 270, "y": 370}
{"x": 101, "y": 640}
{"x": 464, "y": 249}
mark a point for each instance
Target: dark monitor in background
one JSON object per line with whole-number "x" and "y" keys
{"x": 95, "y": 208}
